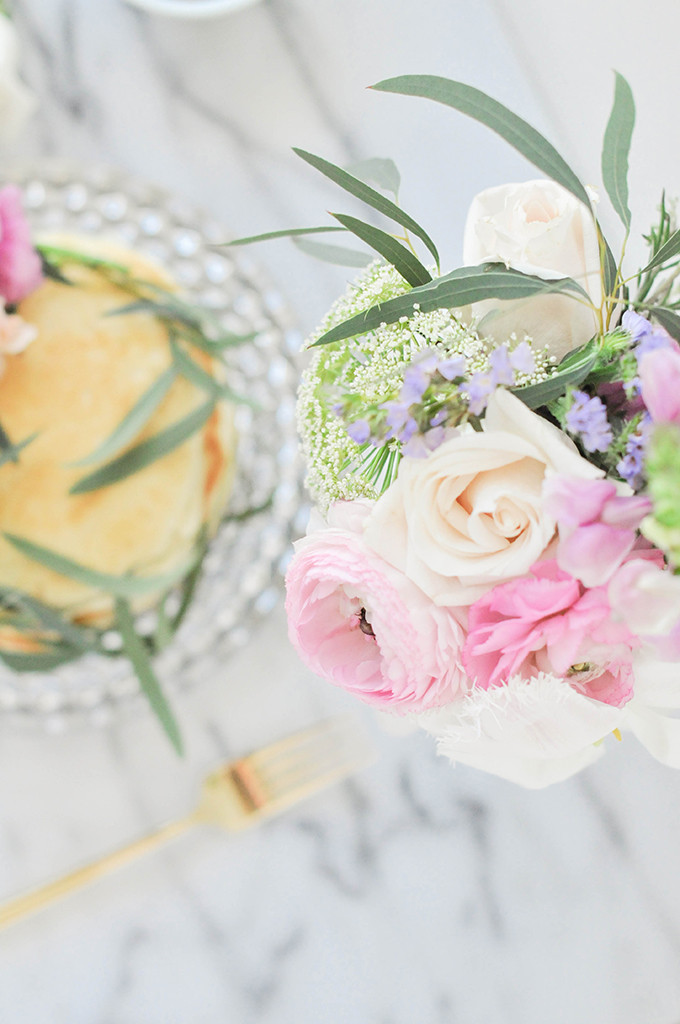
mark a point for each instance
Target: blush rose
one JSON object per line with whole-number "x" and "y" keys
{"x": 358, "y": 622}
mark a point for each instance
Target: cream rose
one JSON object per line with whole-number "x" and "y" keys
{"x": 471, "y": 514}
{"x": 537, "y": 227}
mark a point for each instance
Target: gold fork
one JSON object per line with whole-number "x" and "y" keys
{"x": 236, "y": 796}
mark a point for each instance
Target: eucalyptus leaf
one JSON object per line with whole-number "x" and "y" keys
{"x": 162, "y": 310}
{"x": 666, "y": 252}
{"x": 572, "y": 371}
{"x": 611, "y": 270}
{"x": 191, "y": 370}
{"x": 45, "y": 660}
{"x": 616, "y": 147}
{"x": 369, "y": 196}
{"x": 285, "y": 233}
{"x": 380, "y": 171}
{"x": 476, "y": 104}
{"x": 11, "y": 452}
{"x": 141, "y": 662}
{"x": 459, "y": 288}
{"x": 52, "y": 272}
{"x": 336, "y": 254}
{"x": 146, "y": 452}
{"x": 668, "y": 319}
{"x": 56, "y": 255}
{"x": 119, "y": 586}
{"x": 138, "y": 416}
{"x": 401, "y": 258}
{"x": 77, "y": 636}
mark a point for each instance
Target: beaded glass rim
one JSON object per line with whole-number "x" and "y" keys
{"x": 243, "y": 570}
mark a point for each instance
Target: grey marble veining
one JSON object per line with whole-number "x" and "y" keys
{"x": 412, "y": 894}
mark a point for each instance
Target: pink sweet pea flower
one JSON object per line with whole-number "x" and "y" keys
{"x": 361, "y": 624}
{"x": 20, "y": 266}
{"x": 659, "y": 372}
{"x": 597, "y": 525}
{"x": 548, "y": 622}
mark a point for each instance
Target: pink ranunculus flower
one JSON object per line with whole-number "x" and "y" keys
{"x": 20, "y": 266}
{"x": 361, "y": 624}
{"x": 597, "y": 525}
{"x": 549, "y": 622}
{"x": 659, "y": 372}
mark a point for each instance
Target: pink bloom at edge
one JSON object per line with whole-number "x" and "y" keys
{"x": 659, "y": 372}
{"x": 20, "y": 265}
{"x": 361, "y": 624}
{"x": 548, "y": 622}
{"x": 597, "y": 526}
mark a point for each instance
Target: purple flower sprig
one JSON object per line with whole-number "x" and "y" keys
{"x": 586, "y": 418}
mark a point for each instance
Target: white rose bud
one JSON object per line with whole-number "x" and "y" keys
{"x": 539, "y": 228}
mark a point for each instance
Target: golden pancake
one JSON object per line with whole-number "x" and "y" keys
{"x": 72, "y": 386}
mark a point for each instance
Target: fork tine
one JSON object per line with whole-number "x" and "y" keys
{"x": 297, "y": 767}
{"x": 330, "y": 730}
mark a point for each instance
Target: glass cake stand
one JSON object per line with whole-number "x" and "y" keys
{"x": 243, "y": 570}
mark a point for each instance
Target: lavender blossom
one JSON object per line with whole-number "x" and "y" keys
{"x": 401, "y": 424}
{"x": 631, "y": 466}
{"x": 359, "y": 431}
{"x": 587, "y": 417}
{"x": 522, "y": 358}
{"x": 416, "y": 380}
{"x": 479, "y": 389}
{"x": 452, "y": 368}
{"x": 645, "y": 335}
{"x": 501, "y": 368}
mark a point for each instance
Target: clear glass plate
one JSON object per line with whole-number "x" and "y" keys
{"x": 242, "y": 578}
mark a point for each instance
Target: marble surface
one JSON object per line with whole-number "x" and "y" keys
{"x": 412, "y": 893}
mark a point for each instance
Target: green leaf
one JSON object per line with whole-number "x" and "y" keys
{"x": 369, "y": 196}
{"x": 162, "y": 310}
{"x": 616, "y": 148}
{"x": 76, "y": 636}
{"x": 119, "y": 586}
{"x": 40, "y": 661}
{"x": 666, "y": 252}
{"x": 401, "y": 258}
{"x": 146, "y": 452}
{"x": 609, "y": 264}
{"x": 138, "y": 416}
{"x": 57, "y": 255}
{"x": 336, "y": 254}
{"x": 10, "y": 452}
{"x": 191, "y": 370}
{"x": 285, "y": 233}
{"x": 380, "y": 171}
{"x": 572, "y": 371}
{"x": 459, "y": 288}
{"x": 468, "y": 100}
{"x": 668, "y": 319}
{"x": 52, "y": 272}
{"x": 141, "y": 662}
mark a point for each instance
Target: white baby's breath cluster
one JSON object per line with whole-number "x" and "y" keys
{"x": 371, "y": 367}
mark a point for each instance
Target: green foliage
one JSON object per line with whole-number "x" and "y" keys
{"x": 476, "y": 104}
{"x": 616, "y": 147}
{"x": 459, "y": 288}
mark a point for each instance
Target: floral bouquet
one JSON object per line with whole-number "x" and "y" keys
{"x": 495, "y": 456}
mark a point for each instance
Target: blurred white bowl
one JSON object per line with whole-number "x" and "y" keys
{"x": 191, "y": 8}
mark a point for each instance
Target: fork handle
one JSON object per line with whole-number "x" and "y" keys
{"x": 34, "y": 900}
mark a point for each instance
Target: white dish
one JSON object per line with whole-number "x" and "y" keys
{"x": 191, "y": 8}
